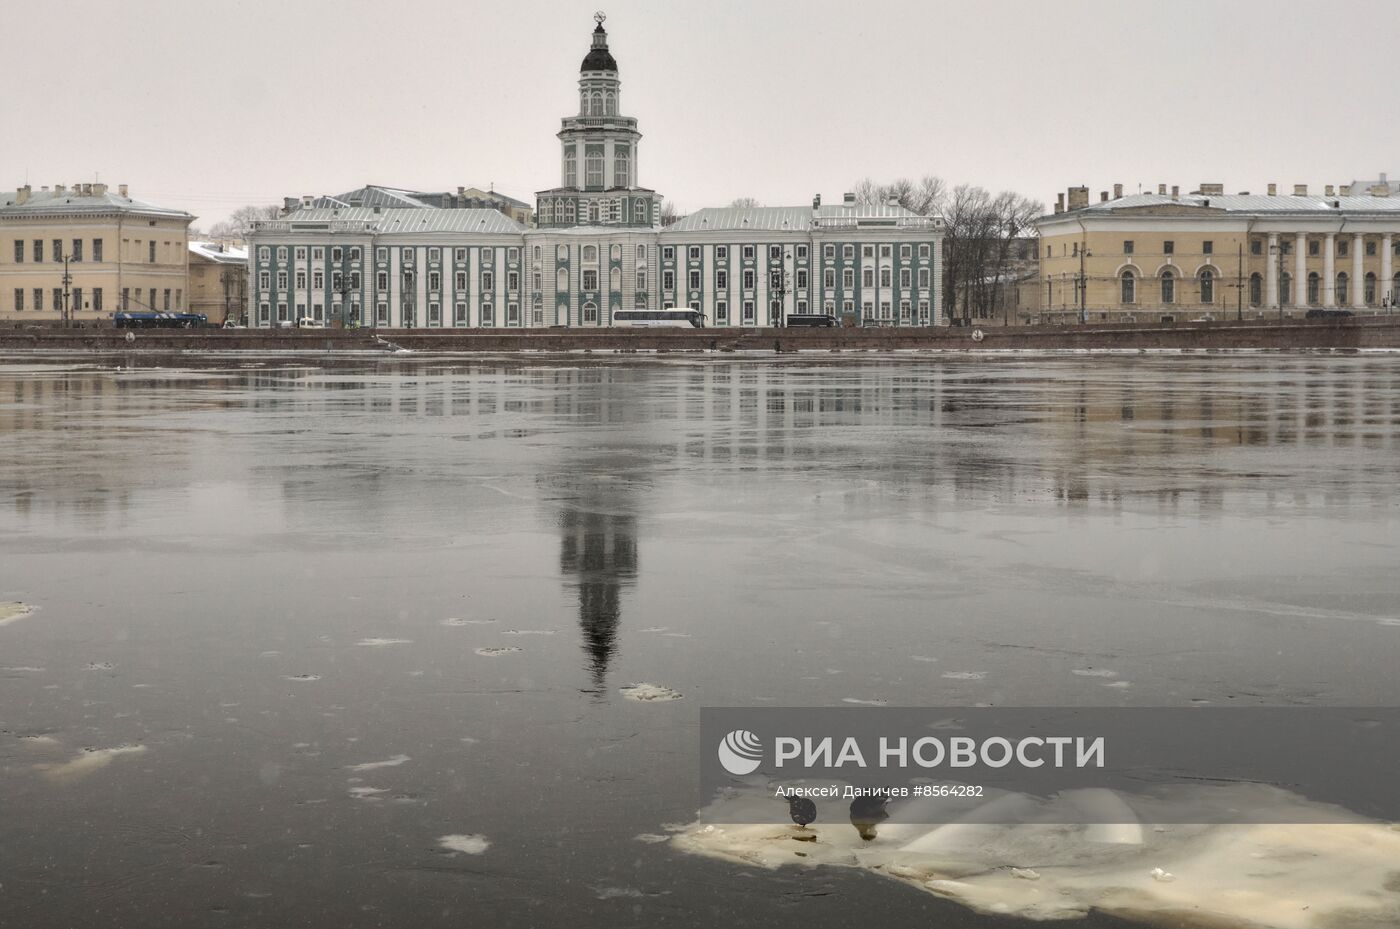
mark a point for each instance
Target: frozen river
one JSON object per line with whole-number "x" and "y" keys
{"x": 349, "y": 645}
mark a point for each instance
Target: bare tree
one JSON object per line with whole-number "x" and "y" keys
{"x": 925, "y": 196}
{"x": 744, "y": 203}
{"x": 240, "y": 221}
{"x": 669, "y": 214}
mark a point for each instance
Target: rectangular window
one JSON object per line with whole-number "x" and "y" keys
{"x": 721, "y": 311}
{"x": 381, "y": 254}
{"x": 641, "y": 281}
{"x": 668, "y": 253}
{"x": 39, "y": 298}
{"x": 281, "y": 280}
{"x": 512, "y": 314}
{"x": 381, "y": 314}
{"x": 641, "y": 253}
{"x": 538, "y": 280}
{"x": 434, "y": 254}
{"x": 434, "y": 281}
{"x": 590, "y": 279}
{"x": 867, "y": 277}
{"x": 829, "y": 252}
{"x": 848, "y": 252}
{"x": 848, "y": 278}
{"x": 264, "y": 279}
{"x": 694, "y": 280}
{"x": 38, "y": 250}
{"x": 1168, "y": 247}
{"x": 748, "y": 312}
{"x": 694, "y": 253}
{"x": 721, "y": 279}
{"x": 1313, "y": 246}
{"x": 459, "y": 280}
{"x": 923, "y": 311}
{"x": 570, "y": 166}
{"x": 354, "y": 253}
{"x": 801, "y": 278}
{"x": 884, "y": 251}
{"x": 512, "y": 254}
{"x": 801, "y": 253}
{"x": 381, "y": 281}
{"x": 96, "y": 249}
{"x": 434, "y": 314}
{"x": 923, "y": 277}
{"x": 668, "y": 279}
{"x": 622, "y": 166}
{"x": 167, "y": 299}
{"x": 19, "y": 251}
{"x": 904, "y": 253}
{"x": 151, "y": 252}
{"x": 318, "y": 253}
{"x": 868, "y": 251}
{"x": 1127, "y": 246}
{"x": 848, "y": 307}
{"x": 97, "y": 299}
{"x": 282, "y": 313}
{"x": 459, "y": 314}
{"x": 884, "y": 277}
{"x": 721, "y": 253}
{"x": 488, "y": 315}
{"x": 1370, "y": 248}
{"x": 802, "y": 306}
{"x": 300, "y": 253}
{"x": 77, "y": 250}
{"x": 77, "y": 300}
{"x": 488, "y": 281}
{"x": 1342, "y": 247}
{"x": 1207, "y": 247}
{"x": 748, "y": 279}
{"x": 775, "y": 252}
{"x": 318, "y": 280}
{"x": 19, "y": 299}
{"x": 775, "y": 280}
{"x": 1256, "y": 247}
{"x": 904, "y": 278}
{"x": 150, "y": 299}
{"x": 263, "y": 312}
{"x": 748, "y": 252}
{"x": 512, "y": 280}
{"x": 58, "y": 299}
{"x": 924, "y": 250}
{"x": 57, "y": 249}
{"x": 829, "y": 278}
{"x": 354, "y": 280}
{"x": 301, "y": 279}
{"x": 905, "y": 308}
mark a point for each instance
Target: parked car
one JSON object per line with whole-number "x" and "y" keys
{"x": 307, "y": 322}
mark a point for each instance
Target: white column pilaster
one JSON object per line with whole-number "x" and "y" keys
{"x": 1329, "y": 271}
{"x": 1271, "y": 273}
{"x": 1387, "y": 288}
{"x": 1358, "y": 271}
{"x": 1300, "y": 271}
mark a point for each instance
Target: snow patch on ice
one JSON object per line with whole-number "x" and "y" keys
{"x": 528, "y": 632}
{"x": 13, "y": 612}
{"x": 376, "y": 643}
{"x": 1094, "y": 672}
{"x": 88, "y": 761}
{"x": 965, "y": 675}
{"x": 496, "y": 651}
{"x": 858, "y": 702}
{"x": 454, "y": 621}
{"x": 301, "y": 677}
{"x": 466, "y": 844}
{"x": 647, "y": 693}
{"x": 371, "y": 765}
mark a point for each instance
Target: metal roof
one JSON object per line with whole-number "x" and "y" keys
{"x": 764, "y": 218}
{"x": 383, "y": 222}
{"x": 73, "y": 202}
{"x": 1247, "y": 203}
{"x": 218, "y": 254}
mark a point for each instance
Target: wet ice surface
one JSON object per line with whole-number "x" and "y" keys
{"x": 206, "y": 549}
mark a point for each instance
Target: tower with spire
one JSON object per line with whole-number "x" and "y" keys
{"x": 598, "y": 154}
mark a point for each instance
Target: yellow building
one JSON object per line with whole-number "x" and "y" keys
{"x": 218, "y": 285}
{"x": 1169, "y": 256}
{"x": 120, "y": 254}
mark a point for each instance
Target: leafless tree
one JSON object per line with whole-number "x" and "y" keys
{"x": 669, "y": 214}
{"x": 744, "y": 203}
{"x": 240, "y": 221}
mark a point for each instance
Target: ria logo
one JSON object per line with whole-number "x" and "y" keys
{"x": 741, "y": 752}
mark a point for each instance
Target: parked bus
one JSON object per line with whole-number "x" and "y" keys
{"x": 160, "y": 320}
{"x": 659, "y": 318}
{"x": 811, "y": 319}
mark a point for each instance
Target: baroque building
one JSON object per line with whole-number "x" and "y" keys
{"x": 1170, "y": 256}
{"x": 594, "y": 246}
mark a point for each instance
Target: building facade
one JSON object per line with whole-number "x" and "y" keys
{"x": 595, "y": 246}
{"x": 218, "y": 285}
{"x": 121, "y": 254}
{"x": 1170, "y": 256}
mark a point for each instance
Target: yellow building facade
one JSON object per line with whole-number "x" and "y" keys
{"x": 1169, "y": 256}
{"x": 218, "y": 284}
{"x": 121, "y": 254}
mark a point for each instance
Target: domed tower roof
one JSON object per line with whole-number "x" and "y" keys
{"x": 598, "y": 57}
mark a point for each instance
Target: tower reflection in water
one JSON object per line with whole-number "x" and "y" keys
{"x": 598, "y": 557}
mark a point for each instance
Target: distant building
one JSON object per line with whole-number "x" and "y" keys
{"x": 122, "y": 254}
{"x": 397, "y": 198}
{"x": 388, "y": 257}
{"x": 218, "y": 285}
{"x": 1174, "y": 256}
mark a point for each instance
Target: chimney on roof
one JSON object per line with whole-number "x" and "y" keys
{"x": 1117, "y": 191}
{"x": 58, "y": 189}
{"x": 1161, "y": 190}
{"x": 461, "y": 191}
{"x": 1380, "y": 190}
{"x": 1300, "y": 190}
{"x": 1176, "y": 191}
{"x": 87, "y": 190}
{"x": 1059, "y": 203}
{"x": 1273, "y": 190}
{"x": 816, "y": 201}
{"x": 849, "y": 198}
{"x": 1212, "y": 190}
{"x": 1103, "y": 196}
{"x": 289, "y": 204}
{"x": 1078, "y": 198}
{"x": 1345, "y": 190}
{"x": 22, "y": 194}
{"x": 1328, "y": 190}
{"x": 121, "y": 190}
{"x": 99, "y": 189}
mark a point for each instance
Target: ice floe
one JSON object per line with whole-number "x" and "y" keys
{"x": 1094, "y": 672}
{"x": 647, "y": 693}
{"x": 371, "y": 765}
{"x": 528, "y": 632}
{"x": 88, "y": 761}
{"x": 301, "y": 677}
{"x": 496, "y": 651}
{"x": 1344, "y": 872}
{"x": 454, "y": 621}
{"x": 374, "y": 643}
{"x": 858, "y": 702}
{"x": 466, "y": 844}
{"x": 965, "y": 675}
{"x": 13, "y": 612}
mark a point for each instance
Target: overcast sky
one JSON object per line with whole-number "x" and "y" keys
{"x": 211, "y": 105}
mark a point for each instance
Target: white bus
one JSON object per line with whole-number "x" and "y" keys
{"x": 659, "y": 318}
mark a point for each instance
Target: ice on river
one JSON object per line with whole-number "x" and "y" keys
{"x": 372, "y": 765}
{"x": 88, "y": 761}
{"x": 13, "y": 612}
{"x": 1256, "y": 875}
{"x": 466, "y": 844}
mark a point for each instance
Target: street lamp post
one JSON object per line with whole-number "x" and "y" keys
{"x": 1280, "y": 249}
{"x": 1083, "y": 286}
{"x": 67, "y": 281}
{"x": 782, "y": 279}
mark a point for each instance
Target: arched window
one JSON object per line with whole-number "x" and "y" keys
{"x": 1370, "y": 290}
{"x": 616, "y": 252}
{"x": 537, "y": 253}
{"x": 615, "y": 278}
{"x": 1314, "y": 283}
{"x": 590, "y": 253}
{"x": 1129, "y": 287}
{"x": 1342, "y": 288}
{"x": 610, "y": 107}
{"x": 583, "y": 103}
{"x": 1207, "y": 287}
{"x": 1285, "y": 289}
{"x": 597, "y": 103}
{"x": 562, "y": 281}
{"x": 1168, "y": 287}
{"x": 1256, "y": 289}
{"x": 590, "y": 313}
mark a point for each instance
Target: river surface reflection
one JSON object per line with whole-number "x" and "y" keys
{"x": 347, "y": 611}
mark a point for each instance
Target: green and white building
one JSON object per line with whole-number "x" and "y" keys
{"x": 596, "y": 246}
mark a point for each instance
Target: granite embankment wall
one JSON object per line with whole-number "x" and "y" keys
{"x": 1354, "y": 333}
